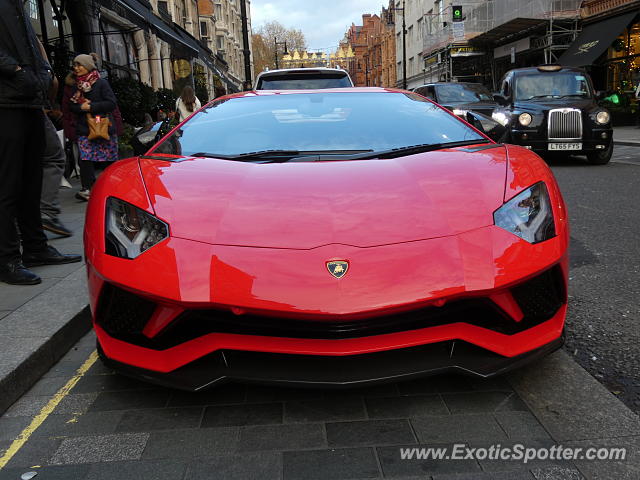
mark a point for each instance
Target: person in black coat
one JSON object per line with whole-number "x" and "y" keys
{"x": 24, "y": 78}
{"x": 93, "y": 96}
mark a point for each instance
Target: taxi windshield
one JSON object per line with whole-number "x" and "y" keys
{"x": 551, "y": 85}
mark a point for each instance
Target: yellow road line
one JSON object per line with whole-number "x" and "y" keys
{"x": 39, "y": 419}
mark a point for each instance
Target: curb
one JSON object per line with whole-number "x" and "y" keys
{"x": 627, "y": 143}
{"x": 39, "y": 333}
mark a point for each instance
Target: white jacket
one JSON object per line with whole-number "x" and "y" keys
{"x": 182, "y": 110}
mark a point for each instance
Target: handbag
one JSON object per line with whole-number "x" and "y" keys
{"x": 98, "y": 126}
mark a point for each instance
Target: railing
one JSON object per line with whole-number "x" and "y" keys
{"x": 596, "y": 7}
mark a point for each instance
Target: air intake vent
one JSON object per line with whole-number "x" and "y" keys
{"x": 542, "y": 296}
{"x": 123, "y": 314}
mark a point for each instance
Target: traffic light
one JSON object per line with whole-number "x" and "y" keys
{"x": 457, "y": 13}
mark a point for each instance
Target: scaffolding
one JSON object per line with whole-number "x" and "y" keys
{"x": 496, "y": 21}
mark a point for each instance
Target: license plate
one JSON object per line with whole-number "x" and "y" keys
{"x": 565, "y": 146}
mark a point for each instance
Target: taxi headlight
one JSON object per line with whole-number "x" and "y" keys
{"x": 500, "y": 117}
{"x": 525, "y": 119}
{"x": 603, "y": 117}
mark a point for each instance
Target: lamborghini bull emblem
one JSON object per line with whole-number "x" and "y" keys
{"x": 338, "y": 268}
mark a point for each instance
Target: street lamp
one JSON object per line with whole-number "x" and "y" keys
{"x": 276, "y": 43}
{"x": 404, "y": 47}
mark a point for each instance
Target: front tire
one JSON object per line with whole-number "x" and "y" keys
{"x": 601, "y": 157}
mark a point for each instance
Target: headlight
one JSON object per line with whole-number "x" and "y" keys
{"x": 528, "y": 215}
{"x": 458, "y": 112}
{"x": 603, "y": 117}
{"x": 130, "y": 230}
{"x": 501, "y": 118}
{"x": 525, "y": 119}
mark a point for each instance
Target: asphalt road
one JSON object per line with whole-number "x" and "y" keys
{"x": 604, "y": 285}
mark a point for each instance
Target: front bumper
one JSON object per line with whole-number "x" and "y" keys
{"x": 535, "y": 140}
{"x": 330, "y": 371}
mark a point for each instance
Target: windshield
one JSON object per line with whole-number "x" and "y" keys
{"x": 462, "y": 93}
{"x": 551, "y": 85}
{"x": 318, "y": 122}
{"x": 303, "y": 81}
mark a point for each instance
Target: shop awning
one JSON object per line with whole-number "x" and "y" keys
{"x": 161, "y": 28}
{"x": 594, "y": 40}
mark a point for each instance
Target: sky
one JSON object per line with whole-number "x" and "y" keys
{"x": 323, "y": 22}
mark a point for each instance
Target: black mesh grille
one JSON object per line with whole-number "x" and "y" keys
{"x": 122, "y": 314}
{"x": 542, "y": 296}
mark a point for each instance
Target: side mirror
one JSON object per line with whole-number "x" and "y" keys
{"x": 487, "y": 125}
{"x": 499, "y": 98}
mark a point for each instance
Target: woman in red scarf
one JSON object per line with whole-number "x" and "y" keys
{"x": 91, "y": 95}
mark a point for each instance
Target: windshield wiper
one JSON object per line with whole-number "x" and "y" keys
{"x": 281, "y": 156}
{"x": 413, "y": 149}
{"x": 249, "y": 155}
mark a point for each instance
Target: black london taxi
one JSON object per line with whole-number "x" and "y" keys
{"x": 552, "y": 108}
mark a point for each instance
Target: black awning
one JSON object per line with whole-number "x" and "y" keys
{"x": 594, "y": 40}
{"x": 161, "y": 28}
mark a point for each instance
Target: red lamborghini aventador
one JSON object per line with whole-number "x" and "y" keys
{"x": 329, "y": 237}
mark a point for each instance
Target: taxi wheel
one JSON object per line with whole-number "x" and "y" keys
{"x": 601, "y": 157}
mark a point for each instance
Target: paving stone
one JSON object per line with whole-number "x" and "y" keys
{"x": 143, "y": 470}
{"x": 37, "y": 451}
{"x": 100, "y": 448}
{"x": 582, "y": 409}
{"x": 231, "y": 393}
{"x": 192, "y": 443}
{"x": 369, "y": 432}
{"x": 52, "y": 472}
{"x": 403, "y": 407}
{"x": 160, "y": 419}
{"x": 381, "y": 390}
{"x": 60, "y": 271}
{"x": 70, "y": 425}
{"x": 335, "y": 464}
{"x": 237, "y": 415}
{"x": 457, "y": 428}
{"x": 109, "y": 383}
{"x": 262, "y": 394}
{"x": 130, "y": 399}
{"x": 256, "y": 466}
{"x": 479, "y": 402}
{"x": 510, "y": 475}
{"x": 498, "y": 465}
{"x": 10, "y": 427}
{"x": 282, "y": 437}
{"x": 31, "y": 406}
{"x": 324, "y": 410}
{"x": 521, "y": 425}
{"x": 394, "y": 465}
{"x": 627, "y": 469}
{"x": 14, "y": 296}
{"x": 557, "y": 473}
{"x": 4, "y": 313}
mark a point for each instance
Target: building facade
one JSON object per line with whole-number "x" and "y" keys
{"x": 229, "y": 38}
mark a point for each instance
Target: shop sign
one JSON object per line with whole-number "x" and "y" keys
{"x": 466, "y": 51}
{"x": 517, "y": 46}
{"x": 458, "y": 30}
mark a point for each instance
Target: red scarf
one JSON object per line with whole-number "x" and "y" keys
{"x": 84, "y": 84}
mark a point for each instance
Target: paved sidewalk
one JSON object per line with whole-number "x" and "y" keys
{"x": 627, "y": 136}
{"x": 39, "y": 323}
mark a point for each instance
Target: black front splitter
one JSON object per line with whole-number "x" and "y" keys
{"x": 334, "y": 371}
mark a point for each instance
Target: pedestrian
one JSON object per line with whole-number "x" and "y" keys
{"x": 187, "y": 103}
{"x": 53, "y": 164}
{"x": 24, "y": 77}
{"x": 90, "y": 99}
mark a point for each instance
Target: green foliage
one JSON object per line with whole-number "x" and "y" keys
{"x": 149, "y": 102}
{"x": 166, "y": 100}
{"x": 129, "y": 96}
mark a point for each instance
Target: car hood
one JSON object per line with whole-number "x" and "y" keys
{"x": 309, "y": 204}
{"x": 540, "y": 105}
